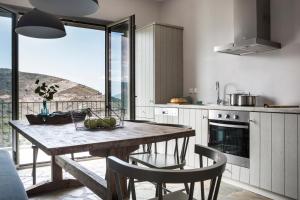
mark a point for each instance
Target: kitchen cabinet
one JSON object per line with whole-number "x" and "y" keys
{"x": 265, "y": 151}
{"x": 166, "y": 116}
{"x": 159, "y": 64}
{"x": 278, "y": 153}
{"x": 274, "y": 156}
{"x": 290, "y": 153}
{"x": 298, "y": 157}
{"x": 145, "y": 113}
{"x": 254, "y": 148}
{"x": 198, "y": 120}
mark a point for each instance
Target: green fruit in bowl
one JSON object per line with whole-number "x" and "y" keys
{"x": 93, "y": 124}
{"x": 87, "y": 123}
{"x": 106, "y": 123}
{"x": 90, "y": 123}
{"x": 112, "y": 122}
{"x": 99, "y": 122}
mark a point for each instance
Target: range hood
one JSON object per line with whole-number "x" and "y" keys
{"x": 252, "y": 29}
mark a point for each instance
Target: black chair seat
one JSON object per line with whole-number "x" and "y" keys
{"x": 160, "y": 161}
{"x": 175, "y": 196}
{"x": 11, "y": 187}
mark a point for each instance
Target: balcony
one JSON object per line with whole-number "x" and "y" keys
{"x": 26, "y": 108}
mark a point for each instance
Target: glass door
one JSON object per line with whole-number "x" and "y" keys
{"x": 8, "y": 67}
{"x": 120, "y": 64}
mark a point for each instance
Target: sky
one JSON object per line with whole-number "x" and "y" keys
{"x": 79, "y": 57}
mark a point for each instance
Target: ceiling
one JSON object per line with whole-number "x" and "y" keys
{"x": 120, "y": 8}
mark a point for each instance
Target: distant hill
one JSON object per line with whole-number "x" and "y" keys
{"x": 68, "y": 91}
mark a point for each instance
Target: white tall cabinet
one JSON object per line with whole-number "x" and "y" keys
{"x": 159, "y": 66}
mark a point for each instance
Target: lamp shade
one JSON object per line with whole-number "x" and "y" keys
{"x": 67, "y": 7}
{"x": 38, "y": 24}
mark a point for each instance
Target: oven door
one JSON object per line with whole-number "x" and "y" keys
{"x": 231, "y": 138}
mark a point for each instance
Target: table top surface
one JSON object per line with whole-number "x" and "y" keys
{"x": 64, "y": 139}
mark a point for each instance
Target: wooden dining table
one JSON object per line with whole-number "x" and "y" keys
{"x": 57, "y": 140}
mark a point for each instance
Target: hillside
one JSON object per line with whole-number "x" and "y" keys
{"x": 68, "y": 91}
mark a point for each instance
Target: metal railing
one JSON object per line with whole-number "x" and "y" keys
{"x": 26, "y": 108}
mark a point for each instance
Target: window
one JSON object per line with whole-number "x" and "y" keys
{"x": 5, "y": 78}
{"x": 92, "y": 68}
{"x": 76, "y": 63}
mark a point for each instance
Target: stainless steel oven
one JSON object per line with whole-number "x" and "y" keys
{"x": 229, "y": 133}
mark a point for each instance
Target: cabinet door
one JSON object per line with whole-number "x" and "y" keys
{"x": 168, "y": 63}
{"x": 291, "y": 159}
{"x": 265, "y": 150}
{"x": 144, "y": 67}
{"x": 278, "y": 153}
{"x": 244, "y": 175}
{"x": 254, "y": 148}
{"x": 204, "y": 127}
{"x": 298, "y": 157}
{"x": 191, "y": 147}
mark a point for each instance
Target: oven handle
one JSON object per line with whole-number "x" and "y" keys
{"x": 228, "y": 125}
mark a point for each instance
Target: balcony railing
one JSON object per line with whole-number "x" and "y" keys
{"x": 26, "y": 108}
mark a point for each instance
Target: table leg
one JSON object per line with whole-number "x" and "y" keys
{"x": 57, "y": 182}
{"x": 56, "y": 171}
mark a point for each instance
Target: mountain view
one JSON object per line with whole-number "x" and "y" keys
{"x": 68, "y": 90}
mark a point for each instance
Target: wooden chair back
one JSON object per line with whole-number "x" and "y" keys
{"x": 159, "y": 176}
{"x": 179, "y": 153}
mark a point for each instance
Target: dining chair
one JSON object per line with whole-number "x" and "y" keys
{"x": 164, "y": 160}
{"x": 212, "y": 173}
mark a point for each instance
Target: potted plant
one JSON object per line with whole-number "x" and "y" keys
{"x": 47, "y": 93}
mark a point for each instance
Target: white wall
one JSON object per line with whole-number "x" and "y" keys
{"x": 146, "y": 11}
{"x": 275, "y": 75}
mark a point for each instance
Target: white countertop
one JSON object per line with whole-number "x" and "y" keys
{"x": 233, "y": 108}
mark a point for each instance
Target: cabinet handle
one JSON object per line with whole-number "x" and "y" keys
{"x": 164, "y": 112}
{"x": 204, "y": 117}
{"x": 251, "y": 121}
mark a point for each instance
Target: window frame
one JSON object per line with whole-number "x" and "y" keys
{"x": 16, "y": 12}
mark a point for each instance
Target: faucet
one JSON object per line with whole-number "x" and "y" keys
{"x": 219, "y": 101}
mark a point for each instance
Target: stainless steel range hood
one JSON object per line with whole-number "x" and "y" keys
{"x": 252, "y": 29}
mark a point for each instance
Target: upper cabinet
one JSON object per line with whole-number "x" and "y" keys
{"x": 159, "y": 64}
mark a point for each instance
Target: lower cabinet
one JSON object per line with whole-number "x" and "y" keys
{"x": 274, "y": 147}
{"x": 274, "y": 157}
{"x": 198, "y": 120}
{"x": 144, "y": 113}
{"x": 298, "y": 157}
{"x": 195, "y": 118}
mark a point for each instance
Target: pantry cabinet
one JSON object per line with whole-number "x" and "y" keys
{"x": 159, "y": 64}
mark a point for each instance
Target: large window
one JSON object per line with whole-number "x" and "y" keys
{"x": 5, "y": 78}
{"x": 92, "y": 66}
{"x": 76, "y": 63}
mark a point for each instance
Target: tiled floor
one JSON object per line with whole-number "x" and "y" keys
{"x": 144, "y": 190}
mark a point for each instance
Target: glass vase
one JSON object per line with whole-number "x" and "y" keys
{"x": 44, "y": 109}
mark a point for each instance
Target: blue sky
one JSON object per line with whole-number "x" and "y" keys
{"x": 79, "y": 57}
{"x": 5, "y": 42}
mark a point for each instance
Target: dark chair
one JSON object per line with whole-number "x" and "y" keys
{"x": 164, "y": 160}
{"x": 213, "y": 173}
{"x": 175, "y": 160}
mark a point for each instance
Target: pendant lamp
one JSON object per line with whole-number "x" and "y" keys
{"x": 67, "y": 7}
{"x": 38, "y": 24}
